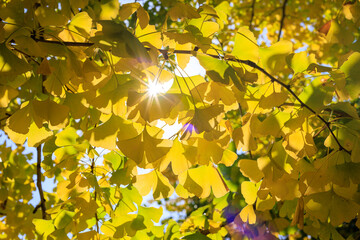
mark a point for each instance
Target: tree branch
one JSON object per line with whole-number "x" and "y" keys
{"x": 39, "y": 186}
{"x": 282, "y": 19}
{"x": 92, "y": 167}
{"x": 252, "y": 14}
{"x": 232, "y": 59}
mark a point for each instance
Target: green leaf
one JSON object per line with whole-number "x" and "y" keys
{"x": 219, "y": 70}
{"x": 10, "y": 64}
{"x": 63, "y": 219}
{"x": 273, "y": 58}
{"x": 351, "y": 68}
{"x": 123, "y": 43}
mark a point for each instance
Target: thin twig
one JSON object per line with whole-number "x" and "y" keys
{"x": 92, "y": 167}
{"x": 282, "y": 18}
{"x": 39, "y": 185}
{"x": 252, "y": 14}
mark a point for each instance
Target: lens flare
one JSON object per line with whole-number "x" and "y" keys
{"x": 154, "y": 88}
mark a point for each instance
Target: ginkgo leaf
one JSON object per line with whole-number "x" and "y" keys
{"x": 63, "y": 219}
{"x": 143, "y": 17}
{"x": 219, "y": 71}
{"x": 181, "y": 156}
{"x": 326, "y": 205}
{"x": 124, "y": 43}
{"x": 201, "y": 180}
{"x": 266, "y": 204}
{"x": 184, "y": 85}
{"x": 47, "y": 17}
{"x": 298, "y": 144}
{"x": 181, "y": 10}
{"x": 144, "y": 146}
{"x": 243, "y": 138}
{"x": 273, "y": 100}
{"x": 339, "y": 34}
{"x": 6, "y": 95}
{"x": 183, "y": 59}
{"x": 250, "y": 169}
{"x": 249, "y": 191}
{"x": 37, "y": 136}
{"x": 351, "y": 69}
{"x": 20, "y": 121}
{"x": 53, "y": 113}
{"x": 151, "y": 215}
{"x": 10, "y": 64}
{"x": 127, "y": 10}
{"x": 152, "y": 107}
{"x": 78, "y": 30}
{"x": 109, "y": 9}
{"x": 106, "y": 134}
{"x": 219, "y": 92}
{"x": 66, "y": 137}
{"x": 299, "y": 62}
{"x": 245, "y": 47}
{"x": 273, "y": 58}
{"x": 44, "y": 227}
{"x": 156, "y": 182}
{"x": 148, "y": 34}
{"x": 130, "y": 199}
{"x": 76, "y": 104}
{"x": 315, "y": 95}
{"x": 205, "y": 119}
{"x": 207, "y": 28}
{"x": 247, "y": 214}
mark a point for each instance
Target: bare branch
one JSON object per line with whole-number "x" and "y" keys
{"x": 252, "y": 14}
{"x": 92, "y": 167}
{"x": 39, "y": 185}
{"x": 282, "y": 18}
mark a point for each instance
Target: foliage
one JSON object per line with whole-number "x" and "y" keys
{"x": 281, "y": 89}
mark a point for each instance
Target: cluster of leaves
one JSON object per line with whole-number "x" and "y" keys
{"x": 75, "y": 77}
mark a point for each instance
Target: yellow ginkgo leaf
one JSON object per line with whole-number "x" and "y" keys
{"x": 266, "y": 204}
{"x": 299, "y": 144}
{"x": 249, "y": 191}
{"x": 127, "y": 10}
{"x": 78, "y": 29}
{"x": 247, "y": 214}
{"x": 53, "y": 113}
{"x": 151, "y": 107}
{"x": 20, "y": 121}
{"x": 37, "y": 136}
{"x": 106, "y": 134}
{"x": 144, "y": 147}
{"x": 148, "y": 34}
{"x": 328, "y": 205}
{"x": 250, "y": 169}
{"x": 201, "y": 180}
{"x": 205, "y": 119}
{"x": 246, "y": 47}
{"x": 181, "y": 10}
{"x": 155, "y": 181}
{"x": 6, "y": 95}
{"x": 219, "y": 92}
{"x": 181, "y": 156}
{"x": 243, "y": 137}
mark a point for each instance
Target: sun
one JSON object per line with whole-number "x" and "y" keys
{"x": 154, "y": 87}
